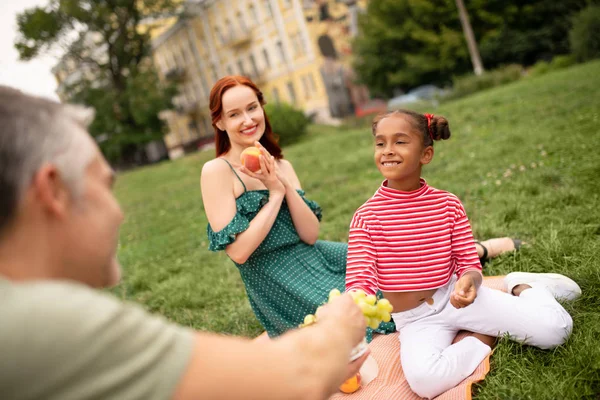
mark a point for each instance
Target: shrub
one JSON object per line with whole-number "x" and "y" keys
{"x": 563, "y": 61}
{"x": 540, "y": 68}
{"x": 584, "y": 37}
{"x": 288, "y": 122}
{"x": 467, "y": 84}
{"x": 558, "y": 62}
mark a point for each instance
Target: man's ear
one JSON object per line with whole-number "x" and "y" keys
{"x": 51, "y": 190}
{"x": 427, "y": 155}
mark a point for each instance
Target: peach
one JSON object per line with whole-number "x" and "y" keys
{"x": 249, "y": 158}
{"x": 352, "y": 384}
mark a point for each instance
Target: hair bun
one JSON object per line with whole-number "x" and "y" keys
{"x": 440, "y": 129}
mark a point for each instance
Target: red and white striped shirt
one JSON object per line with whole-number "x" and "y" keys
{"x": 408, "y": 241}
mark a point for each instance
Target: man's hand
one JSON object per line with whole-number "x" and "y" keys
{"x": 343, "y": 312}
{"x": 465, "y": 290}
{"x": 355, "y": 365}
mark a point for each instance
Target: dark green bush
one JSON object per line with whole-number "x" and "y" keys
{"x": 563, "y": 61}
{"x": 584, "y": 37}
{"x": 558, "y": 62}
{"x": 467, "y": 84}
{"x": 288, "y": 123}
{"x": 540, "y": 68}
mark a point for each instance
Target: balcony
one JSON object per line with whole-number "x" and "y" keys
{"x": 259, "y": 77}
{"x": 176, "y": 74}
{"x": 238, "y": 37}
{"x": 191, "y": 109}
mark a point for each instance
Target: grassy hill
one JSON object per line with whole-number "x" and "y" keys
{"x": 524, "y": 160}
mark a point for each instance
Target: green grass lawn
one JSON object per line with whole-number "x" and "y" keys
{"x": 523, "y": 158}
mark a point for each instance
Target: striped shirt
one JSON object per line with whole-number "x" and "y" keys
{"x": 408, "y": 241}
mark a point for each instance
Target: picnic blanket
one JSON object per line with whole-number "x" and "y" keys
{"x": 390, "y": 382}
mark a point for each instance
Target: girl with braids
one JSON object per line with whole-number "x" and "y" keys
{"x": 414, "y": 243}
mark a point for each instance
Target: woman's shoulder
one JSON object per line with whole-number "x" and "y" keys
{"x": 285, "y": 164}
{"x": 216, "y": 165}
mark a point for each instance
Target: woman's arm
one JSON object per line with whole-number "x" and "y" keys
{"x": 305, "y": 221}
{"x": 216, "y": 184}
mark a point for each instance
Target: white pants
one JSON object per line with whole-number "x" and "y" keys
{"x": 432, "y": 364}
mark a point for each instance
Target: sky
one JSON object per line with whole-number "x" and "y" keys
{"x": 33, "y": 77}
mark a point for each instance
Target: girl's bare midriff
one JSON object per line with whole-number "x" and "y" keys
{"x": 404, "y": 301}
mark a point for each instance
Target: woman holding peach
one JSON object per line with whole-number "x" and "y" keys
{"x": 262, "y": 219}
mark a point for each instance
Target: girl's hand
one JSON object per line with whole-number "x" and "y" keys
{"x": 465, "y": 292}
{"x": 268, "y": 172}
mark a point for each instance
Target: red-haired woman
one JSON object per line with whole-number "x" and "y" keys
{"x": 262, "y": 220}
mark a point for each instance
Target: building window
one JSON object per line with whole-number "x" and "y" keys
{"x": 268, "y": 8}
{"x": 298, "y": 43}
{"x": 253, "y": 14}
{"x": 276, "y": 95}
{"x": 242, "y": 22}
{"x": 266, "y": 57}
{"x": 191, "y": 94}
{"x": 292, "y": 92}
{"x": 229, "y": 29}
{"x": 207, "y": 126}
{"x": 253, "y": 65}
{"x": 193, "y": 129}
{"x": 313, "y": 85}
{"x": 305, "y": 87}
{"x": 281, "y": 52}
{"x": 240, "y": 65}
{"x": 219, "y": 35}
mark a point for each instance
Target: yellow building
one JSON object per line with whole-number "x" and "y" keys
{"x": 296, "y": 51}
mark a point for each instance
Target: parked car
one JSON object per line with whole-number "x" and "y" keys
{"x": 374, "y": 106}
{"x": 424, "y": 93}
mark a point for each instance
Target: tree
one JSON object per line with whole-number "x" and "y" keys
{"x": 469, "y": 37}
{"x": 110, "y": 41}
{"x": 406, "y": 43}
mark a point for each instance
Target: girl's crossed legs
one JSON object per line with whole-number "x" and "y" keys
{"x": 432, "y": 364}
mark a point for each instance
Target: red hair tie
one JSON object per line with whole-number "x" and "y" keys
{"x": 429, "y": 118}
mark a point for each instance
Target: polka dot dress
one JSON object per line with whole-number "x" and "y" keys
{"x": 285, "y": 278}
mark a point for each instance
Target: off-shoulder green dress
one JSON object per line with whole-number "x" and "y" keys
{"x": 285, "y": 278}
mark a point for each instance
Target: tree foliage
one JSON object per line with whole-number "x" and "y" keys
{"x": 109, "y": 42}
{"x": 406, "y": 43}
{"x": 585, "y": 35}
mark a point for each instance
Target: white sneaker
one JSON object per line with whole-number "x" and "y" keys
{"x": 559, "y": 285}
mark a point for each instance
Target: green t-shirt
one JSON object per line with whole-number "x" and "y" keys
{"x": 62, "y": 340}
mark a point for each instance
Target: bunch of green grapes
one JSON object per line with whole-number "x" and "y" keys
{"x": 374, "y": 311}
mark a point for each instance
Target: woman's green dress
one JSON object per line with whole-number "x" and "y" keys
{"x": 285, "y": 278}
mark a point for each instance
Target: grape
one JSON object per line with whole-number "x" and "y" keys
{"x": 386, "y": 317}
{"x": 334, "y": 294}
{"x": 373, "y": 310}
{"x": 370, "y": 311}
{"x": 384, "y": 304}
{"x": 374, "y": 323}
{"x": 371, "y": 299}
{"x": 308, "y": 320}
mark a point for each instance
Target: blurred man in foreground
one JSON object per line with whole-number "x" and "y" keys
{"x": 60, "y": 339}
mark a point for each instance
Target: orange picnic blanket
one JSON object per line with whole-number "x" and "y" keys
{"x": 390, "y": 383}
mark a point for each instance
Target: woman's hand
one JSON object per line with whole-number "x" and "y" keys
{"x": 268, "y": 172}
{"x": 280, "y": 174}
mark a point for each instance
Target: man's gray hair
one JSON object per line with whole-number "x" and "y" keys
{"x": 34, "y": 132}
